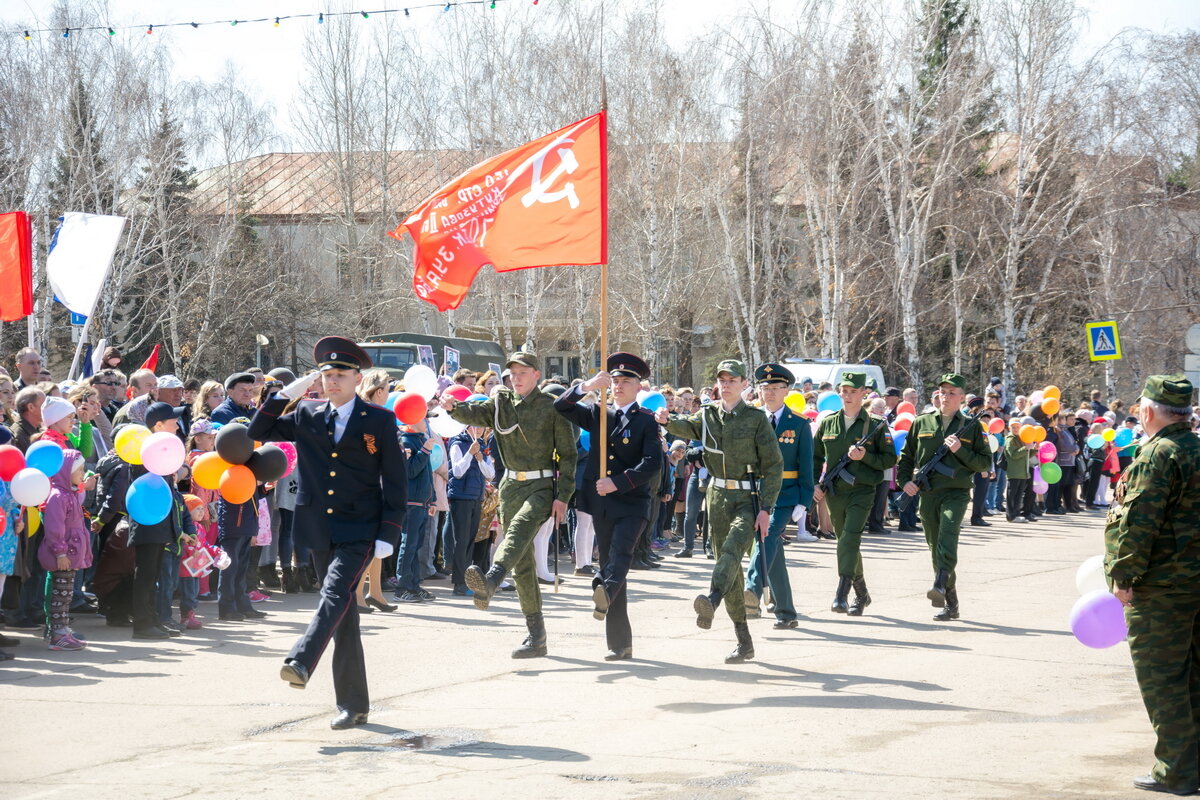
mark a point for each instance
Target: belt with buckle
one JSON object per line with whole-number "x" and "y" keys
{"x": 793, "y": 474}
{"x": 530, "y": 476}
{"x": 722, "y": 483}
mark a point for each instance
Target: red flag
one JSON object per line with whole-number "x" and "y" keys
{"x": 16, "y": 266}
{"x": 542, "y": 204}
{"x": 152, "y": 362}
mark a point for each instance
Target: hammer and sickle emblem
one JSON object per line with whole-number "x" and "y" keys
{"x": 539, "y": 190}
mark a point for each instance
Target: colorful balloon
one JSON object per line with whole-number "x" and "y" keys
{"x": 445, "y": 425}
{"x": 829, "y": 401}
{"x": 996, "y": 426}
{"x": 1109, "y": 434}
{"x": 237, "y": 484}
{"x": 148, "y": 500}
{"x": 899, "y": 437}
{"x": 420, "y": 380}
{"x": 437, "y": 456}
{"x": 163, "y": 453}
{"x": 234, "y": 443}
{"x": 410, "y": 408}
{"x": 208, "y": 469}
{"x": 289, "y": 450}
{"x": 1051, "y": 473}
{"x": 1039, "y": 433}
{"x": 1123, "y": 438}
{"x": 1026, "y": 433}
{"x": 268, "y": 463}
{"x": 1098, "y": 620}
{"x": 12, "y": 461}
{"x": 1052, "y": 391}
{"x": 1095, "y": 441}
{"x": 903, "y": 423}
{"x": 1051, "y": 406}
{"x": 585, "y": 439}
{"x": 128, "y": 443}
{"x": 29, "y": 487}
{"x": 795, "y": 402}
{"x": 1047, "y": 452}
{"x": 1090, "y": 576}
{"x": 45, "y": 456}
{"x": 906, "y": 408}
{"x": 994, "y": 443}
{"x": 459, "y": 393}
{"x": 652, "y": 401}
{"x": 1040, "y": 487}
{"x": 476, "y": 397}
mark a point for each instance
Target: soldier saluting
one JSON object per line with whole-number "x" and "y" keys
{"x": 739, "y": 444}
{"x": 619, "y": 498}
{"x": 529, "y": 434}
{"x": 1152, "y": 557}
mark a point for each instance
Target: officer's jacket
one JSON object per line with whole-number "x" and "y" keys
{"x": 1152, "y": 538}
{"x": 635, "y": 456}
{"x": 834, "y": 438}
{"x": 795, "y": 438}
{"x": 925, "y": 437}
{"x": 732, "y": 440}
{"x": 355, "y": 490}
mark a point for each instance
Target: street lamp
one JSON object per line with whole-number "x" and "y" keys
{"x": 260, "y": 342}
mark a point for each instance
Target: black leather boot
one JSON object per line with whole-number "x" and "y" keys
{"x": 951, "y": 610}
{"x": 535, "y": 643}
{"x": 268, "y": 576}
{"x": 308, "y": 584}
{"x": 937, "y": 595}
{"x": 840, "y": 606}
{"x": 289, "y": 581}
{"x": 862, "y": 598}
{"x": 706, "y": 607}
{"x": 745, "y": 645}
{"x": 484, "y": 586}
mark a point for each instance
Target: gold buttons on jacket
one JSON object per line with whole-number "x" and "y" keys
{"x": 331, "y": 491}
{"x": 329, "y": 511}
{"x": 334, "y": 455}
{"x": 332, "y": 474}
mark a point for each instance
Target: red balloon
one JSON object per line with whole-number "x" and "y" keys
{"x": 12, "y": 461}
{"x": 902, "y": 424}
{"x": 906, "y": 408}
{"x": 996, "y": 426}
{"x": 410, "y": 408}
{"x": 458, "y": 392}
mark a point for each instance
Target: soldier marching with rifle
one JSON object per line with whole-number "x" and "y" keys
{"x": 945, "y": 448}
{"x": 853, "y": 448}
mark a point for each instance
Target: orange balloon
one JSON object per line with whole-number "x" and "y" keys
{"x": 1050, "y": 405}
{"x": 1052, "y": 391}
{"x": 237, "y": 484}
{"x": 1039, "y": 433}
{"x": 208, "y": 470}
{"x": 1026, "y": 432}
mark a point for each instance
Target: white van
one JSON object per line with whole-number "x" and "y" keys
{"x": 827, "y": 370}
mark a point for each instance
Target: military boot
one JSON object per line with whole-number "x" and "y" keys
{"x": 862, "y": 597}
{"x": 484, "y": 586}
{"x": 706, "y": 608}
{"x": 745, "y": 646}
{"x": 535, "y": 643}
{"x": 289, "y": 581}
{"x": 951, "y": 610}
{"x": 840, "y": 606}
{"x": 937, "y": 595}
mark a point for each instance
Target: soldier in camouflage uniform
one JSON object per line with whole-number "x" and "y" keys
{"x": 943, "y": 503}
{"x": 853, "y": 493}
{"x": 529, "y": 433}
{"x": 735, "y": 437}
{"x": 1152, "y": 544}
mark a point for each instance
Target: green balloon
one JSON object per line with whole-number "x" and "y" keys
{"x": 1051, "y": 473}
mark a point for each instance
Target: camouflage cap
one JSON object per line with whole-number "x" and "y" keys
{"x": 1170, "y": 390}
{"x": 855, "y": 380}
{"x": 954, "y": 379}
{"x": 524, "y": 358}
{"x": 734, "y": 367}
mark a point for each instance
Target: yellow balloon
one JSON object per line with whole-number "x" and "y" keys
{"x": 129, "y": 443}
{"x": 795, "y": 402}
{"x": 1109, "y": 434}
{"x": 1052, "y": 391}
{"x": 34, "y": 519}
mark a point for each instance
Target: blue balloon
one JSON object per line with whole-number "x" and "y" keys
{"x": 652, "y": 401}
{"x": 1095, "y": 441}
{"x": 149, "y": 500}
{"x": 829, "y": 401}
{"x": 437, "y": 457}
{"x": 390, "y": 403}
{"x": 476, "y": 397}
{"x": 585, "y": 439}
{"x": 1124, "y": 438}
{"x": 898, "y": 439}
{"x": 45, "y": 457}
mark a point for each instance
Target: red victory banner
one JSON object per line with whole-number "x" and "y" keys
{"x": 16, "y": 266}
{"x": 540, "y": 205}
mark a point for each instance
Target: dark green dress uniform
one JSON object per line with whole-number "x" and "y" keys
{"x": 850, "y": 505}
{"x": 530, "y": 434}
{"x": 732, "y": 441}
{"x": 944, "y": 503}
{"x": 1152, "y": 544}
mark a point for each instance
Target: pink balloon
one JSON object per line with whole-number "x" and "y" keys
{"x": 1040, "y": 487}
{"x": 1047, "y": 452}
{"x": 289, "y": 450}
{"x": 163, "y": 453}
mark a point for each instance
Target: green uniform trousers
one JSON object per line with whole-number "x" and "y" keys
{"x": 1164, "y": 642}
{"x": 524, "y": 506}
{"x": 731, "y": 526}
{"x": 849, "y": 509}
{"x": 942, "y": 512}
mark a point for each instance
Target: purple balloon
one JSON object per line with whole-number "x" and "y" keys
{"x": 1098, "y": 620}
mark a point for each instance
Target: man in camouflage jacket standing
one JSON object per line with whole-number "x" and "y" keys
{"x": 1152, "y": 544}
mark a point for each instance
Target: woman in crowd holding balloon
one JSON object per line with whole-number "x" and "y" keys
{"x": 66, "y": 547}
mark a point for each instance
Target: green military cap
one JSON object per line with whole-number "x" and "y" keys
{"x": 734, "y": 367}
{"x": 855, "y": 380}
{"x": 773, "y": 373}
{"x": 524, "y": 358}
{"x": 1170, "y": 390}
{"x": 954, "y": 379}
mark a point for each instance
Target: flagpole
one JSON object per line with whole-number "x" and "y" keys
{"x": 603, "y": 401}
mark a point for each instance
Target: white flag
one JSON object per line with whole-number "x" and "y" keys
{"x": 80, "y": 256}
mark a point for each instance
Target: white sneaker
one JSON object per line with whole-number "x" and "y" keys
{"x": 805, "y": 536}
{"x": 1019, "y": 519}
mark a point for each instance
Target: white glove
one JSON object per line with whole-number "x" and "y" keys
{"x": 383, "y": 549}
{"x": 299, "y": 387}
{"x": 797, "y": 513}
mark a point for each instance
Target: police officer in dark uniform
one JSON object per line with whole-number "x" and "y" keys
{"x": 620, "y": 502}
{"x": 349, "y": 508}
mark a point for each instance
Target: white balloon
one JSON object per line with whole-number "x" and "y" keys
{"x": 993, "y": 443}
{"x": 163, "y": 453}
{"x": 1090, "y": 576}
{"x": 445, "y": 425}
{"x": 29, "y": 487}
{"x": 420, "y": 379}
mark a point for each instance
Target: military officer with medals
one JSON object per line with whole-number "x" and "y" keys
{"x": 944, "y": 503}
{"x": 350, "y": 508}
{"x": 794, "y": 436}
{"x": 619, "y": 499}
{"x": 852, "y": 491}
{"x": 530, "y": 434}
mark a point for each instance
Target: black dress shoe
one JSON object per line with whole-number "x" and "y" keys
{"x": 348, "y": 719}
{"x": 254, "y": 613}
{"x": 294, "y": 673}
{"x": 382, "y": 606}
{"x": 8, "y": 641}
{"x": 364, "y": 609}
{"x": 167, "y": 629}
{"x": 600, "y": 598}
{"x": 1148, "y": 783}
{"x": 981, "y": 523}
{"x": 684, "y": 554}
{"x": 785, "y": 624}
{"x": 150, "y": 633}
{"x": 624, "y": 654}
{"x": 232, "y": 616}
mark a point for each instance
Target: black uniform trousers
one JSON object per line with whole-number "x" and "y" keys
{"x": 147, "y": 563}
{"x": 979, "y": 496}
{"x": 616, "y": 540}
{"x": 339, "y": 571}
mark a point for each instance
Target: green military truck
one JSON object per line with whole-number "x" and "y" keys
{"x": 396, "y": 352}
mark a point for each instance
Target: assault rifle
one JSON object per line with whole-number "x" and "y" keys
{"x": 840, "y": 469}
{"x": 933, "y": 465}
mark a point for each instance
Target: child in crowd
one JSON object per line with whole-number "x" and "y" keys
{"x": 189, "y": 585}
{"x": 66, "y": 547}
{"x": 203, "y": 439}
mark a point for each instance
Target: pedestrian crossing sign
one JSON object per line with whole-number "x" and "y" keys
{"x": 1104, "y": 344}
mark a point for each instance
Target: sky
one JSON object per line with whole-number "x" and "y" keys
{"x": 269, "y": 57}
